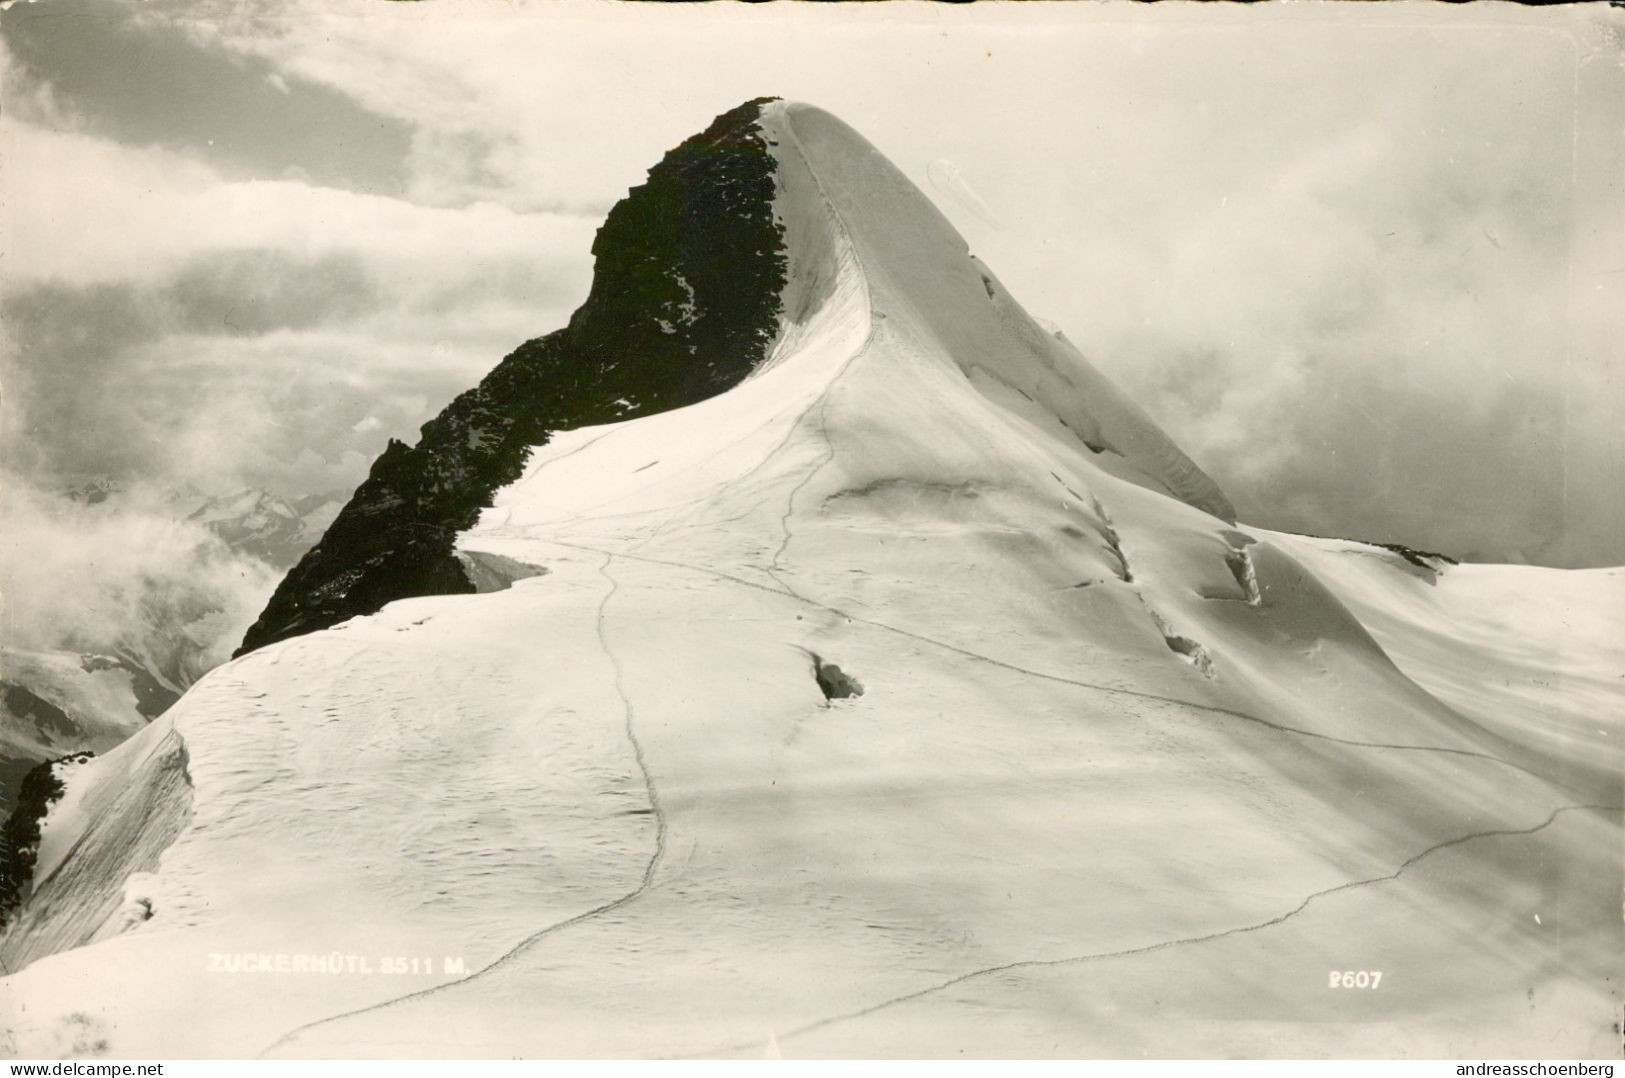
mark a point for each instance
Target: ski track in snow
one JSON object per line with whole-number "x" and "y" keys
{"x": 656, "y": 858}
{"x": 588, "y": 444}
{"x": 1046, "y": 963}
{"x": 775, "y": 570}
{"x": 787, "y": 591}
{"x": 653, "y": 791}
{"x": 662, "y": 836}
{"x": 687, "y": 520}
{"x": 776, "y": 565}
{"x": 821, "y": 403}
{"x": 1057, "y": 678}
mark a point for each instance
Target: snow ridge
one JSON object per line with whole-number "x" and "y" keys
{"x": 1059, "y": 679}
{"x": 1041, "y": 963}
{"x": 949, "y": 302}
{"x": 911, "y": 481}
{"x": 656, "y": 808}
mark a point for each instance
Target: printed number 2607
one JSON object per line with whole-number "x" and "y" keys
{"x": 1350, "y": 978}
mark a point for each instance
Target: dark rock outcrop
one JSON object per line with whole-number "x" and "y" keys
{"x": 20, "y": 836}
{"x": 684, "y": 303}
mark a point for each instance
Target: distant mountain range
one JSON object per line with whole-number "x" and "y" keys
{"x": 251, "y": 521}
{"x": 91, "y": 695}
{"x": 264, "y": 526}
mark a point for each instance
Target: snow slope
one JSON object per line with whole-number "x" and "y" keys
{"x": 113, "y": 646}
{"x": 1533, "y": 655}
{"x": 54, "y": 703}
{"x": 1125, "y": 777}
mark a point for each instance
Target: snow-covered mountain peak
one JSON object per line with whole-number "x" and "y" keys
{"x": 895, "y": 687}
{"x": 707, "y": 275}
{"x": 688, "y": 272}
{"x": 848, "y": 208}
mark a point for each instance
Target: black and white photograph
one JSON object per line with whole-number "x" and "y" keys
{"x": 581, "y": 529}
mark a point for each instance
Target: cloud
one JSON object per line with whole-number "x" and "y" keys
{"x": 90, "y": 368}
{"x": 137, "y": 341}
{"x": 117, "y": 380}
{"x": 82, "y": 208}
{"x": 252, "y": 292}
{"x": 123, "y": 575}
{"x": 1383, "y": 338}
{"x": 52, "y": 417}
{"x": 1357, "y": 266}
{"x": 143, "y": 80}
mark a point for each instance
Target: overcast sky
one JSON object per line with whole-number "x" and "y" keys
{"x": 1366, "y": 263}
